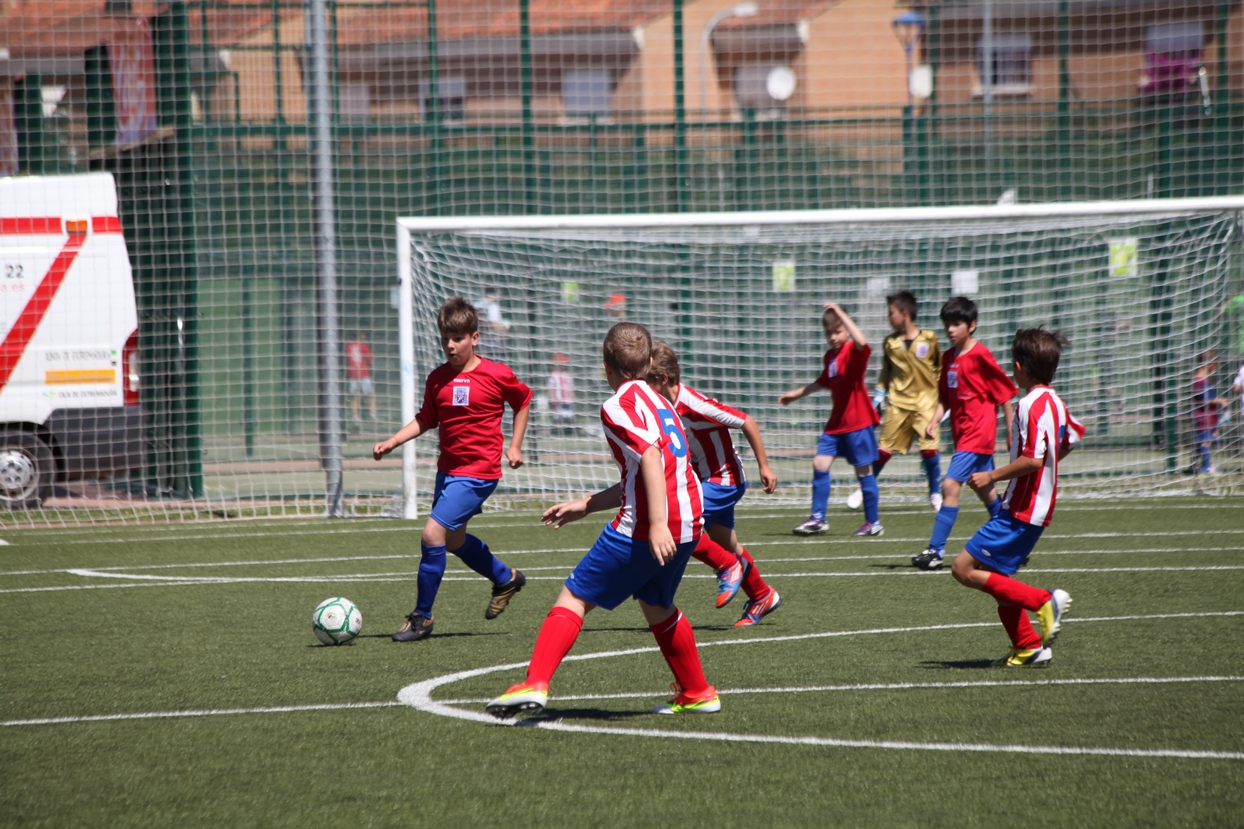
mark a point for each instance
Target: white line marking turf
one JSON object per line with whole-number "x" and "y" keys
{"x": 419, "y": 695}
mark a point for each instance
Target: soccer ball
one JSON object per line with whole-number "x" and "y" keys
{"x": 336, "y": 621}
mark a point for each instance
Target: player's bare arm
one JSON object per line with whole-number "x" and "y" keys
{"x": 410, "y": 431}
{"x": 1008, "y": 414}
{"x": 848, "y": 323}
{"x": 514, "y": 454}
{"x": 1017, "y": 468}
{"x": 795, "y": 394}
{"x": 559, "y": 515}
{"x": 751, "y": 431}
{"x": 936, "y": 421}
{"x": 660, "y": 540}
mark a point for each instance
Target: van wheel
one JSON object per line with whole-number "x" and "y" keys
{"x": 27, "y": 471}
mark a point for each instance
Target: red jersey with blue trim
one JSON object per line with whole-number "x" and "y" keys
{"x": 635, "y": 418}
{"x": 843, "y": 375}
{"x": 707, "y": 423}
{"x": 467, "y": 407}
{"x": 971, "y": 387}
{"x": 1043, "y": 430}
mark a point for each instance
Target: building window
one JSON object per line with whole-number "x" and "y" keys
{"x": 1008, "y": 68}
{"x": 451, "y": 99}
{"x": 1173, "y": 60}
{"x": 762, "y": 88}
{"x": 586, "y": 93}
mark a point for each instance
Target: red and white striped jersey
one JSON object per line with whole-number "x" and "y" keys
{"x": 1042, "y": 429}
{"x": 635, "y": 418}
{"x": 708, "y": 423}
{"x": 561, "y": 388}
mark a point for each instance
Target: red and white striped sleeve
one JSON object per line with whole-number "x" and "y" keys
{"x": 711, "y": 409}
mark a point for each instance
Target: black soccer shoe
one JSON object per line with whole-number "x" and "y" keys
{"x": 502, "y": 593}
{"x": 417, "y": 627}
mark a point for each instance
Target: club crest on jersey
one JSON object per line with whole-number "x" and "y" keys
{"x": 462, "y": 395}
{"x": 922, "y": 350}
{"x": 952, "y": 379}
{"x": 833, "y": 369}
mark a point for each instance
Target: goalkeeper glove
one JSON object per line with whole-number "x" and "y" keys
{"x": 879, "y": 398}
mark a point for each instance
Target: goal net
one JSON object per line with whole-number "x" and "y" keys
{"x": 1138, "y": 288}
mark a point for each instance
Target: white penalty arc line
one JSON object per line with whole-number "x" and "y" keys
{"x": 418, "y": 695}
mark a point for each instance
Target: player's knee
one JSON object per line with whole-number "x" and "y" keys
{"x": 961, "y": 568}
{"x": 433, "y": 534}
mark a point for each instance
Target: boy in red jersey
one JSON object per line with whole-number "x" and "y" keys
{"x": 465, "y": 398}
{"x": 849, "y": 430}
{"x": 641, "y": 553}
{"x": 707, "y": 424}
{"x": 971, "y": 387}
{"x": 1041, "y": 434}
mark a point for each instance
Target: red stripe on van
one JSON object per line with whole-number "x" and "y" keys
{"x": 53, "y": 225}
{"x": 27, "y": 323}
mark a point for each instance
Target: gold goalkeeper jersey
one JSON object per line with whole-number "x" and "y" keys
{"x": 909, "y": 372}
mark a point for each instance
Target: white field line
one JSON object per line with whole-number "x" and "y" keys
{"x": 385, "y": 525}
{"x": 139, "y": 580}
{"x": 200, "y": 712}
{"x": 562, "y": 550}
{"x": 884, "y": 686}
{"x": 419, "y": 695}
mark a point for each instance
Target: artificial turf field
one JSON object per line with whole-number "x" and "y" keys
{"x": 159, "y": 676}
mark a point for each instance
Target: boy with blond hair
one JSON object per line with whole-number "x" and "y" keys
{"x": 465, "y": 398}
{"x": 643, "y": 552}
{"x": 849, "y": 430}
{"x": 1040, "y": 436}
{"x": 707, "y": 424}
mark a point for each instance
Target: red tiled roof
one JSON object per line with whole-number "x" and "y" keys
{"x": 60, "y": 27}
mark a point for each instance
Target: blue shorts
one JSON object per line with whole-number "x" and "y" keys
{"x": 1207, "y": 436}
{"x": 1004, "y": 543}
{"x": 858, "y": 448}
{"x": 964, "y": 464}
{"x": 719, "y": 503}
{"x": 456, "y": 500}
{"x": 618, "y": 568}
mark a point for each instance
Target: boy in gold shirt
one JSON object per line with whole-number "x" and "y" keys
{"x": 910, "y": 364}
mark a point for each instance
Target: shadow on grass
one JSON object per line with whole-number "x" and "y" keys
{"x": 963, "y": 665}
{"x": 596, "y": 714}
{"x": 433, "y": 636}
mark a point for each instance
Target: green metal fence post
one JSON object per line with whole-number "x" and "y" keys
{"x": 28, "y": 121}
{"x": 680, "y": 112}
{"x": 529, "y": 138}
{"x": 434, "y": 106}
{"x": 1064, "y": 100}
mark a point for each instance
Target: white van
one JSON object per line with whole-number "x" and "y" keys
{"x": 69, "y": 355}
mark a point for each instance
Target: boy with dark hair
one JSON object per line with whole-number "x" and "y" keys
{"x": 910, "y": 363}
{"x": 849, "y": 430}
{"x": 1207, "y": 408}
{"x": 465, "y": 398}
{"x": 971, "y": 387}
{"x": 642, "y": 553}
{"x": 707, "y": 424}
{"x": 1043, "y": 432}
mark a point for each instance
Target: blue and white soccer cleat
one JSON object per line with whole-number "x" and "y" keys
{"x": 729, "y": 580}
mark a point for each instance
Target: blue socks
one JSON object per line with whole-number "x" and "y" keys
{"x": 1203, "y": 451}
{"x": 868, "y": 487}
{"x": 476, "y": 555}
{"x": 994, "y": 507}
{"x": 820, "y": 493}
{"x": 933, "y": 472}
{"x": 431, "y": 569}
{"x": 942, "y": 526}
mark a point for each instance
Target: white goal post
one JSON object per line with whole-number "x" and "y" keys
{"x": 1137, "y": 285}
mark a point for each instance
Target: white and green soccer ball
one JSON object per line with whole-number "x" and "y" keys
{"x": 336, "y": 621}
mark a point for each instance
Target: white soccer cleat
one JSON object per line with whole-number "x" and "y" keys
{"x": 935, "y": 501}
{"x": 856, "y": 499}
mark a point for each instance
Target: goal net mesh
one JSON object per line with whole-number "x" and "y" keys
{"x": 1140, "y": 297}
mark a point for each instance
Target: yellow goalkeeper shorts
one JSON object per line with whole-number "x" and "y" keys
{"x": 899, "y": 426}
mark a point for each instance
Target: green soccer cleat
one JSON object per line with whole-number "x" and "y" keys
{"x": 1050, "y": 616}
{"x": 684, "y": 703}
{"x": 524, "y": 698}
{"x": 1022, "y": 658}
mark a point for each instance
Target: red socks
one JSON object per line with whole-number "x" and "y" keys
{"x": 1018, "y": 627}
{"x": 677, "y": 642}
{"x": 713, "y": 554}
{"x": 754, "y": 586}
{"x": 883, "y": 457}
{"x": 557, "y": 635}
{"x": 1007, "y": 590}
